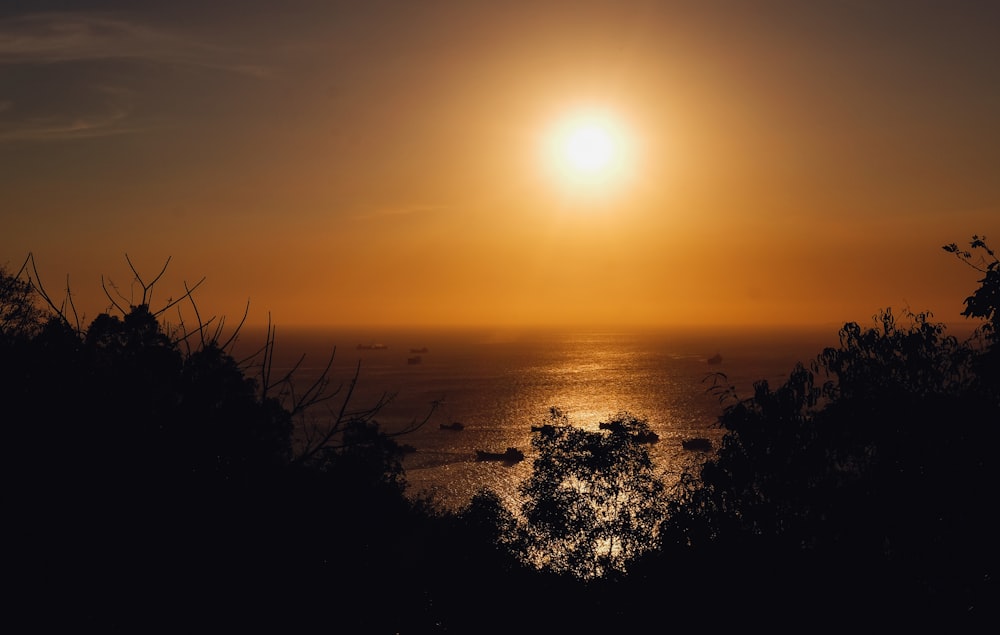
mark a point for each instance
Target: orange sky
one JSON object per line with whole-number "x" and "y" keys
{"x": 378, "y": 163}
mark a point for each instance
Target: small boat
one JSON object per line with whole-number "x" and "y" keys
{"x": 546, "y": 428}
{"x": 698, "y": 444}
{"x": 646, "y": 437}
{"x": 372, "y": 347}
{"x": 413, "y": 360}
{"x": 715, "y": 359}
{"x": 454, "y": 425}
{"x": 510, "y": 455}
{"x": 419, "y": 350}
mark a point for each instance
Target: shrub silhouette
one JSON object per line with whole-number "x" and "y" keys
{"x": 149, "y": 453}
{"x": 167, "y": 400}
{"x": 128, "y": 398}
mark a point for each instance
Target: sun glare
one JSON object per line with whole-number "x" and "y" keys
{"x": 587, "y": 154}
{"x": 589, "y": 148}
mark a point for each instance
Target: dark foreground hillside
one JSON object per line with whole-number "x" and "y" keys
{"x": 152, "y": 484}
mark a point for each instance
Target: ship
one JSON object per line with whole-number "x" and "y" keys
{"x": 510, "y": 455}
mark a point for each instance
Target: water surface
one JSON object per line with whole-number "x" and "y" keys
{"x": 498, "y": 383}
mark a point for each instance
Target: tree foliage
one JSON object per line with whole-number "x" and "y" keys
{"x": 173, "y": 398}
{"x": 879, "y": 454}
{"x": 593, "y": 501}
{"x": 20, "y": 314}
{"x": 984, "y": 303}
{"x": 151, "y": 453}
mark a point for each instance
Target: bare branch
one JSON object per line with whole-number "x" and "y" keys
{"x": 187, "y": 294}
{"x": 104, "y": 285}
{"x": 36, "y": 281}
{"x": 416, "y": 424}
{"x": 147, "y": 289}
{"x": 188, "y": 334}
{"x": 218, "y": 331}
{"x": 135, "y": 273}
{"x": 72, "y": 305}
{"x": 182, "y": 327}
{"x": 197, "y": 314}
{"x": 339, "y": 420}
{"x": 232, "y": 338}
{"x": 314, "y": 394}
{"x": 147, "y": 298}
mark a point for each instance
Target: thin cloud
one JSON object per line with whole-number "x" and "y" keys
{"x": 109, "y": 119}
{"x": 56, "y": 37}
{"x": 81, "y": 73}
{"x": 50, "y": 38}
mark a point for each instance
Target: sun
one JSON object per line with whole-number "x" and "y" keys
{"x": 589, "y": 148}
{"x": 587, "y": 153}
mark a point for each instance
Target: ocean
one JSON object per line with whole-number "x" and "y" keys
{"x": 497, "y": 383}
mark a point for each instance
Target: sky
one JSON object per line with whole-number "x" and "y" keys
{"x": 391, "y": 163}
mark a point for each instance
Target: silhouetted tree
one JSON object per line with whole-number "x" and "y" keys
{"x": 877, "y": 460}
{"x": 20, "y": 315}
{"x": 985, "y": 302}
{"x": 148, "y": 452}
{"x": 593, "y": 501}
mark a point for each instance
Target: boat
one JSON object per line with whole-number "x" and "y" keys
{"x": 715, "y": 359}
{"x": 413, "y": 360}
{"x": 420, "y": 350}
{"x": 643, "y": 436}
{"x": 454, "y": 425}
{"x": 372, "y": 347}
{"x": 510, "y": 455}
{"x": 698, "y": 444}
{"x": 647, "y": 436}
